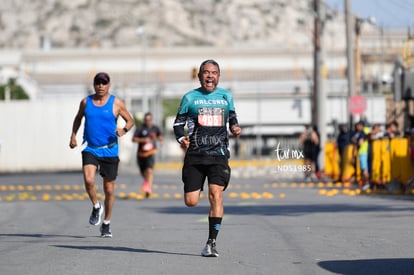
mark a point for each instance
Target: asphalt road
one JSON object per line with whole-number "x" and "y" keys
{"x": 270, "y": 227}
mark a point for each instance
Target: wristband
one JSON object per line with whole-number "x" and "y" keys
{"x": 125, "y": 130}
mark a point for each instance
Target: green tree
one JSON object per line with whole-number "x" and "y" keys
{"x": 16, "y": 91}
{"x": 170, "y": 107}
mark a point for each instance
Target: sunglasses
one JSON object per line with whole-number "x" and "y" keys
{"x": 103, "y": 82}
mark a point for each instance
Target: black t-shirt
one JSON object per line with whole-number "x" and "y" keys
{"x": 145, "y": 131}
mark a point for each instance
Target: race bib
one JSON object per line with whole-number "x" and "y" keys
{"x": 148, "y": 146}
{"x": 211, "y": 117}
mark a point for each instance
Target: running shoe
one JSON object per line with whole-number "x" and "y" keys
{"x": 146, "y": 188}
{"x": 95, "y": 218}
{"x": 106, "y": 231}
{"x": 210, "y": 249}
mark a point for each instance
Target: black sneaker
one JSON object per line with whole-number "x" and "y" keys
{"x": 95, "y": 218}
{"x": 210, "y": 249}
{"x": 106, "y": 231}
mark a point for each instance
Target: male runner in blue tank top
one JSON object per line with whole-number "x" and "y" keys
{"x": 207, "y": 110}
{"x": 101, "y": 111}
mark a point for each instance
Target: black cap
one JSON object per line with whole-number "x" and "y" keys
{"x": 101, "y": 78}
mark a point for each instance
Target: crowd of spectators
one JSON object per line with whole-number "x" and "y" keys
{"x": 362, "y": 137}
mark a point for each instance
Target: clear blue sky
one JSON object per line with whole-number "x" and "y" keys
{"x": 391, "y": 14}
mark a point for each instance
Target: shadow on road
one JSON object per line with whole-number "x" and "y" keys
{"x": 287, "y": 210}
{"x": 122, "y": 249}
{"x": 370, "y": 266}
{"x": 40, "y": 236}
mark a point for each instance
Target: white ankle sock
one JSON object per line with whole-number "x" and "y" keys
{"x": 96, "y": 206}
{"x": 107, "y": 222}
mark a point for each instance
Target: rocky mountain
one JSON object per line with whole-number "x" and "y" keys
{"x": 128, "y": 23}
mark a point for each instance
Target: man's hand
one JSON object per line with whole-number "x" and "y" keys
{"x": 235, "y": 130}
{"x": 185, "y": 143}
{"x": 73, "y": 143}
{"x": 120, "y": 132}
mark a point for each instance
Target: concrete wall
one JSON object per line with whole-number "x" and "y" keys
{"x": 35, "y": 136}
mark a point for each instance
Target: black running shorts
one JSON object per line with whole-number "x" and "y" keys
{"x": 108, "y": 167}
{"x": 146, "y": 162}
{"x": 197, "y": 168}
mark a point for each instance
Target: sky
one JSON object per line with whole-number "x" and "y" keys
{"x": 390, "y": 14}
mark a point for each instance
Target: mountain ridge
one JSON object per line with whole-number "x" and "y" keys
{"x": 162, "y": 23}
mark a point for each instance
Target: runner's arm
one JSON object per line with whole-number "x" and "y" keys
{"x": 234, "y": 124}
{"x": 76, "y": 123}
{"x": 181, "y": 120}
{"x": 129, "y": 120}
{"x": 179, "y": 125}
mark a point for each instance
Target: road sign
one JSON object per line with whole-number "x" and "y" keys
{"x": 357, "y": 104}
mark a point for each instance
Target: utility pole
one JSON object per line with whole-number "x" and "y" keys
{"x": 319, "y": 93}
{"x": 349, "y": 23}
{"x": 316, "y": 60}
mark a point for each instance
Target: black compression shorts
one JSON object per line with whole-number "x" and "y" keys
{"x": 197, "y": 168}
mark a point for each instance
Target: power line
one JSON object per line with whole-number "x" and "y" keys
{"x": 404, "y": 7}
{"x": 391, "y": 14}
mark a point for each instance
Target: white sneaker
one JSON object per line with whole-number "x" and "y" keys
{"x": 210, "y": 249}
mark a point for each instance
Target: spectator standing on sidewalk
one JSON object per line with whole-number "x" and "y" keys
{"x": 342, "y": 141}
{"x": 310, "y": 141}
{"x": 360, "y": 141}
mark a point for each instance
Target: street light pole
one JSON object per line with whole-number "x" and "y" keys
{"x": 141, "y": 32}
{"x": 349, "y": 22}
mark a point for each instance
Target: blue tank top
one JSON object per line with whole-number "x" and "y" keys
{"x": 100, "y": 128}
